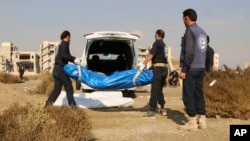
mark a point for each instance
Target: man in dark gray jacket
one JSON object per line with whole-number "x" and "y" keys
{"x": 192, "y": 72}
{"x": 60, "y": 78}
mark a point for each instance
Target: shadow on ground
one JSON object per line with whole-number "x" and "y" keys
{"x": 176, "y": 116}
{"x": 119, "y": 109}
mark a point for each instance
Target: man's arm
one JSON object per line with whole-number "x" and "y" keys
{"x": 152, "y": 53}
{"x": 64, "y": 53}
{"x": 148, "y": 58}
{"x": 188, "y": 50}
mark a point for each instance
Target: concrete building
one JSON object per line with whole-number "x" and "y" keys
{"x": 216, "y": 62}
{"x": 29, "y": 59}
{"x": 142, "y": 54}
{"x": 47, "y": 55}
{"x": 247, "y": 64}
{"x": 6, "y": 53}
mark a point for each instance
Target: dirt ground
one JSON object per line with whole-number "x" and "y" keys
{"x": 127, "y": 124}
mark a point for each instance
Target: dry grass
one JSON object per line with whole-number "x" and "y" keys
{"x": 31, "y": 77}
{"x": 46, "y": 85}
{"x": 176, "y": 62}
{"x": 29, "y": 123}
{"x": 9, "y": 79}
{"x": 230, "y": 97}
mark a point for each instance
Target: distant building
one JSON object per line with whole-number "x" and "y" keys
{"x": 29, "y": 59}
{"x": 247, "y": 64}
{"x": 47, "y": 55}
{"x": 10, "y": 57}
{"x": 216, "y": 62}
{"x": 142, "y": 54}
{"x": 6, "y": 52}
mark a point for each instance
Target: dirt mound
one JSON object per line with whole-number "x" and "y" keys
{"x": 230, "y": 97}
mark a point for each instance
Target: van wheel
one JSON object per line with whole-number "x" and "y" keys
{"x": 129, "y": 93}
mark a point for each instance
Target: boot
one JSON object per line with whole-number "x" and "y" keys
{"x": 191, "y": 125}
{"x": 202, "y": 122}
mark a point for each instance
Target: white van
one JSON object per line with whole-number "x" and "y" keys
{"x": 110, "y": 51}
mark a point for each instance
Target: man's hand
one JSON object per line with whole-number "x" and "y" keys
{"x": 141, "y": 67}
{"x": 182, "y": 75}
{"x": 77, "y": 61}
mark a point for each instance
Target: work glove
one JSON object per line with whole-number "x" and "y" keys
{"x": 77, "y": 61}
{"x": 141, "y": 67}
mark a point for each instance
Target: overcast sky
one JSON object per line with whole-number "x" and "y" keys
{"x": 27, "y": 23}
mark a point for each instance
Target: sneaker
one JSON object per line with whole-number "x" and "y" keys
{"x": 150, "y": 114}
{"x": 163, "y": 112}
{"x": 191, "y": 125}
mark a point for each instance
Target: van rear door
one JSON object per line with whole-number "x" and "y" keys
{"x": 110, "y": 35}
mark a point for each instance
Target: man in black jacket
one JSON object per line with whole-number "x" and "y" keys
{"x": 60, "y": 78}
{"x": 209, "y": 57}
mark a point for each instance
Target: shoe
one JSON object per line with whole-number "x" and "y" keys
{"x": 163, "y": 112}
{"x": 73, "y": 106}
{"x": 48, "y": 104}
{"x": 150, "y": 114}
{"x": 191, "y": 125}
{"x": 201, "y": 120}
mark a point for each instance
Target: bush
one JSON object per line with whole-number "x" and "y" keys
{"x": 9, "y": 79}
{"x": 29, "y": 123}
{"x": 46, "y": 84}
{"x": 230, "y": 97}
{"x": 31, "y": 77}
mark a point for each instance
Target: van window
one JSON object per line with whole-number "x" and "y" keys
{"x": 104, "y": 56}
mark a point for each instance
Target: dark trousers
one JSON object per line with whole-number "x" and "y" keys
{"x": 192, "y": 94}
{"x": 61, "y": 79}
{"x": 21, "y": 75}
{"x": 159, "y": 79}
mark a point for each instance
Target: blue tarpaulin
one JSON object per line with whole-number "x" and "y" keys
{"x": 118, "y": 80}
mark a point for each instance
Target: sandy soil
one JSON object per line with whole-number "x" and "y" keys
{"x": 127, "y": 124}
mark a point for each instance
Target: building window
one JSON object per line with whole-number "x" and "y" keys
{"x": 25, "y": 56}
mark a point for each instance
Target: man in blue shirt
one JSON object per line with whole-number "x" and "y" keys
{"x": 158, "y": 57}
